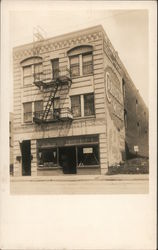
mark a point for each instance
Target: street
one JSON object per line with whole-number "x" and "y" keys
{"x": 80, "y": 187}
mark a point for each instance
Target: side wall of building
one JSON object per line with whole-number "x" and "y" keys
{"x": 137, "y": 116}
{"x": 114, "y": 106}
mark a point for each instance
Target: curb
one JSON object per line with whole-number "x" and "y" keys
{"x": 83, "y": 178}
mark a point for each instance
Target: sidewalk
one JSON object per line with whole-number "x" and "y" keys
{"x": 121, "y": 177}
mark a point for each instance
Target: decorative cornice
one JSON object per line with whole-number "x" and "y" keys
{"x": 48, "y": 45}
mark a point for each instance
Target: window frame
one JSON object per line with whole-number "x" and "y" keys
{"x": 82, "y": 105}
{"x": 31, "y": 120}
{"x": 81, "y": 51}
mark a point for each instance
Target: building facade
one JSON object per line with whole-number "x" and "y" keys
{"x": 73, "y": 106}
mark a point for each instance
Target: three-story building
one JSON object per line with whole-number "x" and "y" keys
{"x": 70, "y": 112}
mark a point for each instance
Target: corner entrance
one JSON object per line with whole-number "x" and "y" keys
{"x": 26, "y": 158}
{"x": 67, "y": 159}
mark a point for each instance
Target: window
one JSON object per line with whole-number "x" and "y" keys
{"x": 48, "y": 157}
{"x": 38, "y": 108}
{"x": 125, "y": 118}
{"x": 74, "y": 66}
{"x": 83, "y": 105}
{"x": 76, "y": 106}
{"x": 27, "y": 112}
{"x": 88, "y": 155}
{"x": 123, "y": 88}
{"x": 139, "y": 128}
{"x": 81, "y": 60}
{"x": 87, "y": 64}
{"x": 89, "y": 104}
{"x": 55, "y": 68}
{"x": 56, "y": 108}
{"x": 27, "y": 75}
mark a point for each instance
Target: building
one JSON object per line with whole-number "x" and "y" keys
{"x": 76, "y": 110}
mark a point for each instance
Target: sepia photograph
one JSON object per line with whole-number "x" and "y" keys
{"x": 78, "y": 125}
{"x": 80, "y": 119}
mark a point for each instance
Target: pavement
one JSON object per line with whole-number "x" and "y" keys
{"x": 120, "y": 177}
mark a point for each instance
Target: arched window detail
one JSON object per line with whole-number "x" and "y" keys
{"x": 81, "y": 60}
{"x": 31, "y": 67}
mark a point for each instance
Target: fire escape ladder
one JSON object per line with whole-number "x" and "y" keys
{"x": 49, "y": 102}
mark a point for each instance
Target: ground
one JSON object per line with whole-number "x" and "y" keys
{"x": 112, "y": 185}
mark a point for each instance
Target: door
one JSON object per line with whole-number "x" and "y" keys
{"x": 26, "y": 158}
{"x": 67, "y": 159}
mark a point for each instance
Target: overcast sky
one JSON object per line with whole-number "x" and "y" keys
{"x": 126, "y": 29}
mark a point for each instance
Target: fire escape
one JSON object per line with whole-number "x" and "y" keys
{"x": 50, "y": 82}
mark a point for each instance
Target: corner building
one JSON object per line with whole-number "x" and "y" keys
{"x": 69, "y": 105}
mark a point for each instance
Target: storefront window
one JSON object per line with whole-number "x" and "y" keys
{"x": 48, "y": 157}
{"x": 88, "y": 156}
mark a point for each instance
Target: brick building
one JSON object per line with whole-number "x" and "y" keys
{"x": 76, "y": 110}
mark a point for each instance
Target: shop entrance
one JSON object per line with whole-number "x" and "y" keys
{"x": 67, "y": 159}
{"x": 26, "y": 158}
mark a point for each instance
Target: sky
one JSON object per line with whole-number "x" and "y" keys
{"x": 127, "y": 30}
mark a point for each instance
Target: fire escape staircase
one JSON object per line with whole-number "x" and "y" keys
{"x": 53, "y": 84}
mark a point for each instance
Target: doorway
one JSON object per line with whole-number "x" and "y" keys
{"x": 26, "y": 158}
{"x": 67, "y": 159}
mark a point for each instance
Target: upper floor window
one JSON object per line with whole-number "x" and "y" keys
{"x": 89, "y": 104}
{"x": 125, "y": 118}
{"x": 74, "y": 66}
{"x": 38, "y": 108}
{"x": 27, "y": 75}
{"x": 55, "y": 68}
{"x": 139, "y": 128}
{"x": 27, "y": 112}
{"x": 81, "y": 60}
{"x": 32, "y": 69}
{"x": 87, "y": 64}
{"x": 83, "y": 105}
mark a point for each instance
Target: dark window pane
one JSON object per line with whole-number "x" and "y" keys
{"x": 89, "y": 104}
{"x": 27, "y": 112}
{"x": 87, "y": 64}
{"x": 38, "y": 108}
{"x": 74, "y": 66}
{"x": 55, "y": 68}
{"x": 76, "y": 106}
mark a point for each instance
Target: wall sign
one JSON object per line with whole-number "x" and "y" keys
{"x": 87, "y": 150}
{"x": 114, "y": 94}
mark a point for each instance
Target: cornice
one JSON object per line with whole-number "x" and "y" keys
{"x": 49, "y": 45}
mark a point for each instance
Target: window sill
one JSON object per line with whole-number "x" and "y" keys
{"x": 26, "y": 123}
{"x": 48, "y": 168}
{"x": 80, "y": 76}
{"x": 88, "y": 166}
{"x": 84, "y": 117}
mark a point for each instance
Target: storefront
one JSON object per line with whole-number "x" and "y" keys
{"x": 71, "y": 155}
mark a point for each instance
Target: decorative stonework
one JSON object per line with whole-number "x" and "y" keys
{"x": 21, "y": 53}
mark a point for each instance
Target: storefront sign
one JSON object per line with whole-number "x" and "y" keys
{"x": 136, "y": 148}
{"x": 87, "y": 150}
